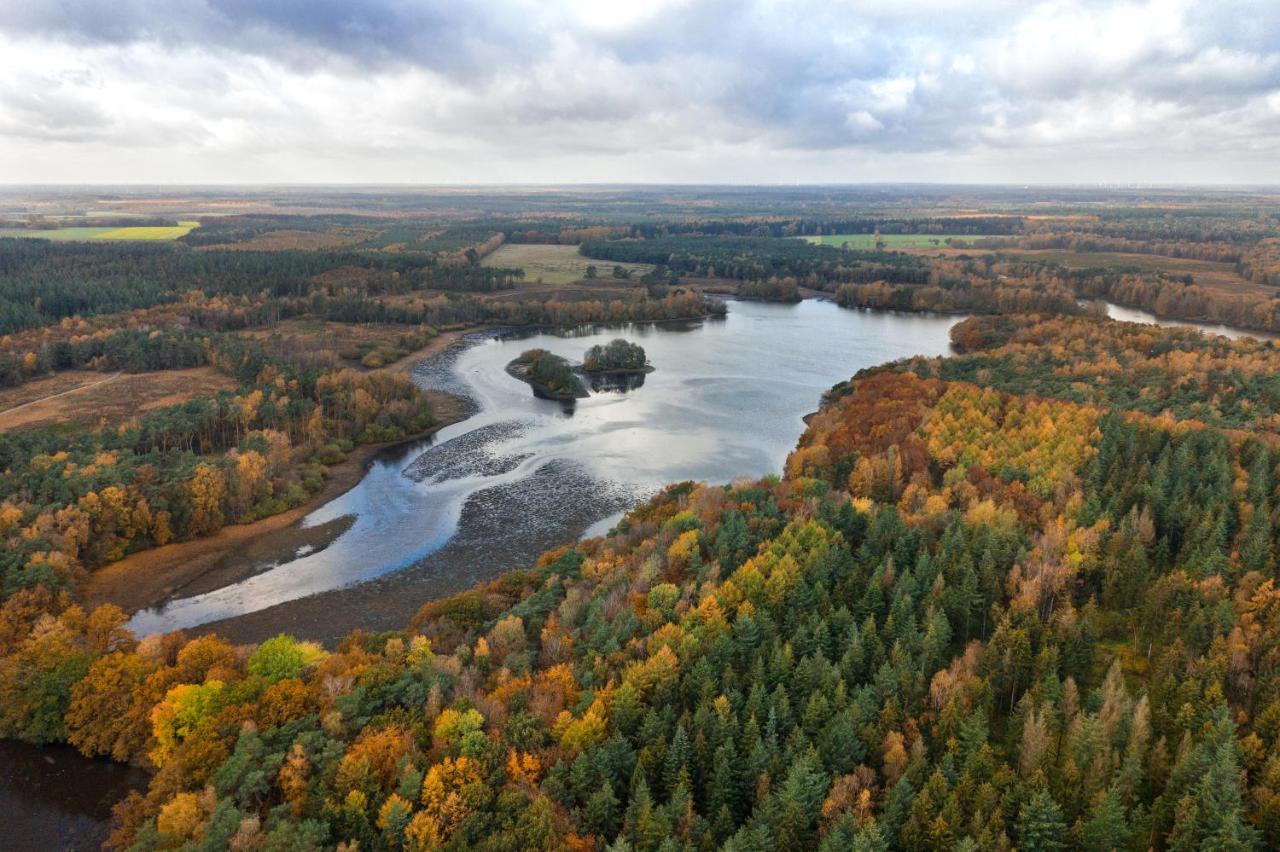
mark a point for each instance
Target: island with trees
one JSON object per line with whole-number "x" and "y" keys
{"x": 550, "y": 376}
{"x": 618, "y": 357}
{"x": 616, "y": 366}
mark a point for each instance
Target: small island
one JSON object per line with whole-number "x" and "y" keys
{"x": 619, "y": 366}
{"x": 616, "y": 366}
{"x": 550, "y": 376}
{"x": 619, "y": 357}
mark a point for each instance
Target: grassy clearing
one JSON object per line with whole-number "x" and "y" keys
{"x": 554, "y": 264}
{"x": 170, "y": 232}
{"x": 371, "y": 346}
{"x": 867, "y": 242}
{"x": 288, "y": 239}
{"x": 90, "y": 399}
{"x": 58, "y": 234}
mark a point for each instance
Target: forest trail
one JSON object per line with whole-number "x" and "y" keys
{"x": 68, "y": 392}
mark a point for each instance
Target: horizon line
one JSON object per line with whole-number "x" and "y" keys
{"x": 15, "y": 185}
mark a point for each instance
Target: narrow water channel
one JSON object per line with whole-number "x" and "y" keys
{"x": 1119, "y": 312}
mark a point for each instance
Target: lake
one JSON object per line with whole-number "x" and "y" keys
{"x": 727, "y": 399}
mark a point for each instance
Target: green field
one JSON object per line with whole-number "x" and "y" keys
{"x": 554, "y": 264}
{"x": 170, "y": 232}
{"x": 866, "y": 242}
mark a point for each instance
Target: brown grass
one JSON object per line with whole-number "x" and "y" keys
{"x": 93, "y": 399}
{"x": 553, "y": 264}
{"x": 286, "y": 239}
{"x": 1207, "y": 273}
{"x": 341, "y": 344}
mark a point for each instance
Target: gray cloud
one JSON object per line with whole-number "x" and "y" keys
{"x": 561, "y": 91}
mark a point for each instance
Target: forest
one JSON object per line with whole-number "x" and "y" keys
{"x": 1030, "y": 612}
{"x": 1020, "y": 597}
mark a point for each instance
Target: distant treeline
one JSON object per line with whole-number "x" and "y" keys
{"x": 757, "y": 258}
{"x": 41, "y": 224}
{"x": 45, "y": 281}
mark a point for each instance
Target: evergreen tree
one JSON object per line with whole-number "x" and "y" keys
{"x": 1040, "y": 824}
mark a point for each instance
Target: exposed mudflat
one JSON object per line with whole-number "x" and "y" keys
{"x": 475, "y": 453}
{"x": 558, "y": 495}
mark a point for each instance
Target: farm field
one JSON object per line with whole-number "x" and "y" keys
{"x": 553, "y": 264}
{"x": 164, "y": 232}
{"x": 893, "y": 241}
{"x": 89, "y": 398}
{"x": 58, "y": 234}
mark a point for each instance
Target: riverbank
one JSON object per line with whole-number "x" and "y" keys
{"x": 150, "y": 577}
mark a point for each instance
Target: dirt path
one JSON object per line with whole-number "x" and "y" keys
{"x": 83, "y": 387}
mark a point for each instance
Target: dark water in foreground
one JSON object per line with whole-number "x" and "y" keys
{"x": 52, "y": 798}
{"x": 726, "y": 400}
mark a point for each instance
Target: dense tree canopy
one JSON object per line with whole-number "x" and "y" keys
{"x": 983, "y": 612}
{"x": 617, "y": 354}
{"x": 1024, "y": 597}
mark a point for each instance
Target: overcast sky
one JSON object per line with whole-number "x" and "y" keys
{"x": 687, "y": 91}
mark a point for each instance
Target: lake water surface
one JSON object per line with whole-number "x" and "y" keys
{"x": 522, "y": 474}
{"x": 1119, "y": 312}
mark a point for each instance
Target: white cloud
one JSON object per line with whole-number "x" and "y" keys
{"x": 680, "y": 90}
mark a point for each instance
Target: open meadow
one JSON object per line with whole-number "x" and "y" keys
{"x": 89, "y": 398}
{"x": 1206, "y": 273}
{"x": 554, "y": 264}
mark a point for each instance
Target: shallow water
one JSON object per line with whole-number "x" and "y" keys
{"x": 726, "y": 400}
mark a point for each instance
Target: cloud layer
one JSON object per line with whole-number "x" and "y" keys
{"x": 667, "y": 90}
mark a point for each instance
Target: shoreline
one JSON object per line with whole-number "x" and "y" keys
{"x": 150, "y": 577}
{"x": 388, "y": 602}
